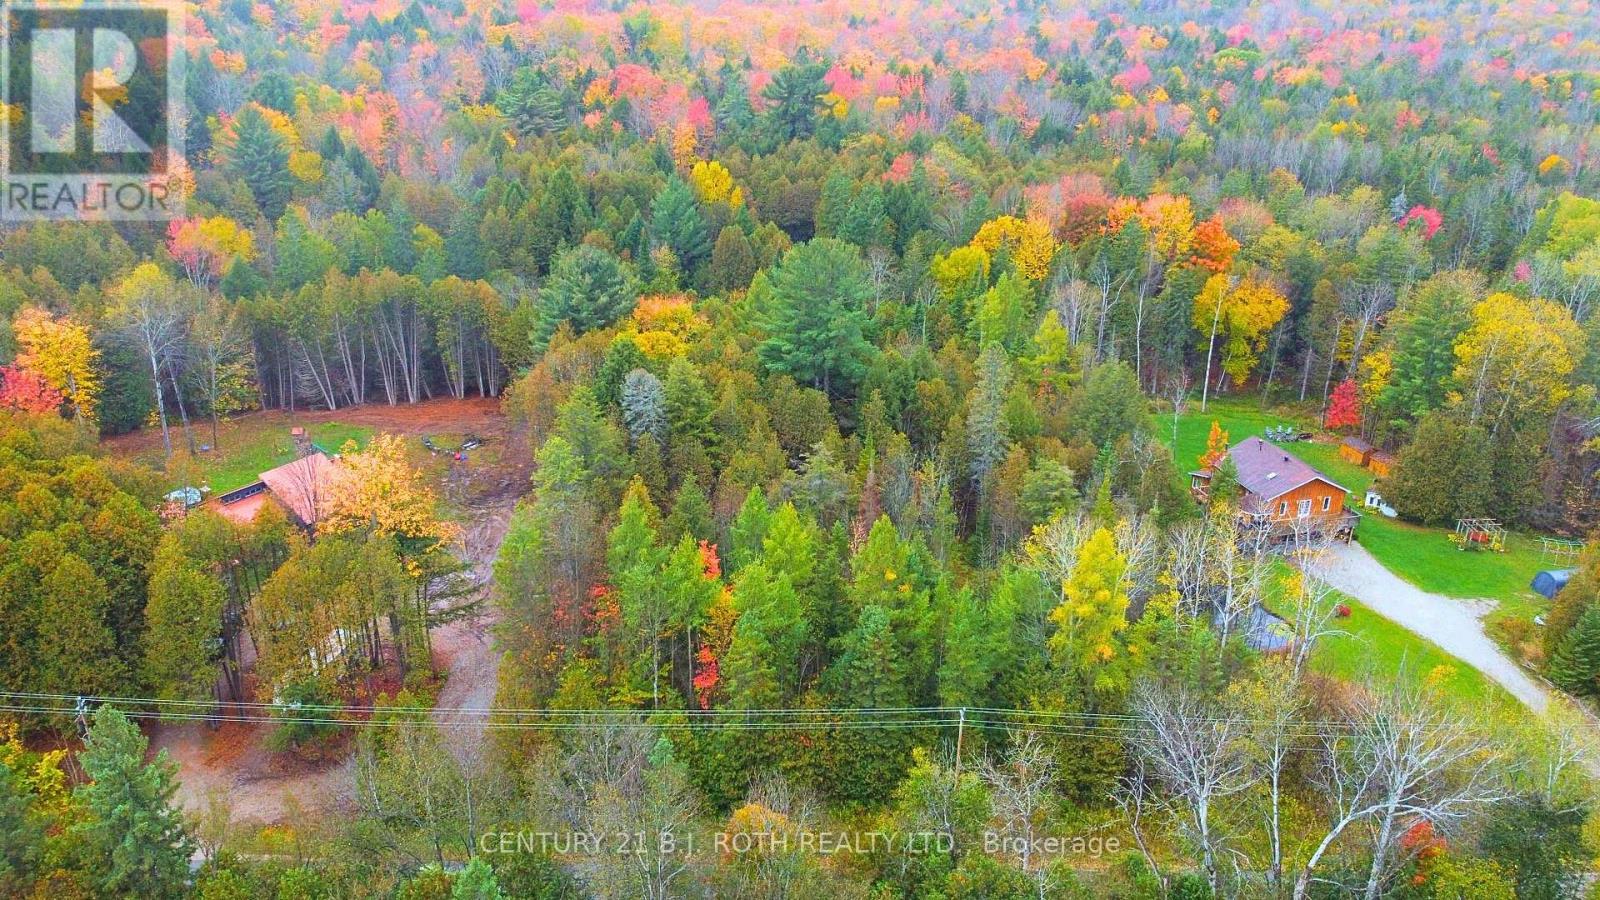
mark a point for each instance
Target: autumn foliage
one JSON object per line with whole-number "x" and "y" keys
{"x": 23, "y": 390}
{"x": 1344, "y": 407}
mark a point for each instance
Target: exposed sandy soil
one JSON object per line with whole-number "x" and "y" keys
{"x": 466, "y": 647}
{"x": 265, "y": 788}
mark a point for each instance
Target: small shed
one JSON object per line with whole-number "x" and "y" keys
{"x": 1355, "y": 450}
{"x": 1550, "y": 582}
{"x": 1380, "y": 463}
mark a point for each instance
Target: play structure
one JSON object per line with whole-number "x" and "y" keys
{"x": 1480, "y": 534}
{"x": 1559, "y": 548}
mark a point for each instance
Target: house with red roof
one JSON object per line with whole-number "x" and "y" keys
{"x": 300, "y": 487}
{"x": 1282, "y": 493}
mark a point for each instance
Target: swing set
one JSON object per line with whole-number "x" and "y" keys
{"x": 1480, "y": 534}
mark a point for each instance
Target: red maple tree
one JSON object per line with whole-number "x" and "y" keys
{"x": 24, "y": 390}
{"x": 1344, "y": 407}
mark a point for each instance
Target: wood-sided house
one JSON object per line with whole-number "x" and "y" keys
{"x": 1280, "y": 492}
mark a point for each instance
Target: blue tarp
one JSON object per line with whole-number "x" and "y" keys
{"x": 1551, "y": 581}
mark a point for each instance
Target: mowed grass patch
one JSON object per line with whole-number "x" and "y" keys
{"x": 1367, "y": 645}
{"x": 1423, "y": 556}
{"x": 1427, "y": 557}
{"x": 248, "y": 448}
{"x": 1239, "y": 417}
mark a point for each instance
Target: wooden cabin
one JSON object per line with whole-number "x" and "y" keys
{"x": 1381, "y": 463}
{"x": 1283, "y": 494}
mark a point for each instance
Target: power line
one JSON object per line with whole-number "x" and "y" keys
{"x": 531, "y": 719}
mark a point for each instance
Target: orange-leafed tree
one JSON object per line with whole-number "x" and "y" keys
{"x": 23, "y": 390}
{"x": 1213, "y": 248}
{"x": 60, "y": 352}
{"x": 1216, "y": 446}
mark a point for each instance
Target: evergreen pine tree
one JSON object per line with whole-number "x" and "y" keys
{"x": 588, "y": 288}
{"x": 260, "y": 158}
{"x": 676, "y": 221}
{"x": 531, "y": 104}
{"x": 1576, "y": 664}
{"x": 134, "y": 830}
{"x": 816, "y": 320}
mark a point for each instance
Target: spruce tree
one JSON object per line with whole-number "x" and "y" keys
{"x": 691, "y": 512}
{"x": 260, "y": 159}
{"x": 644, "y": 405}
{"x": 748, "y": 530}
{"x": 1576, "y": 663}
{"x": 988, "y": 440}
{"x": 134, "y": 831}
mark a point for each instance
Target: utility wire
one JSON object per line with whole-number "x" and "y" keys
{"x": 510, "y": 719}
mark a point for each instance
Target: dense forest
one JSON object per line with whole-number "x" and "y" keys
{"x": 849, "y": 343}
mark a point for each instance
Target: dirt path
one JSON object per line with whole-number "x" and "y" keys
{"x": 1454, "y": 625}
{"x": 260, "y": 788}
{"x": 480, "y": 415}
{"x": 474, "y": 665}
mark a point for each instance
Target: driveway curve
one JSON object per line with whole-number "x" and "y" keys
{"x": 1445, "y": 621}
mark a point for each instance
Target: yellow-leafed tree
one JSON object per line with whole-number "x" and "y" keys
{"x": 1516, "y": 357}
{"x": 1093, "y": 614}
{"x": 377, "y": 488}
{"x": 714, "y": 184}
{"x": 1240, "y": 314}
{"x": 1031, "y": 244}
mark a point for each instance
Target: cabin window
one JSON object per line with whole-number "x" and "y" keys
{"x": 1326, "y": 502}
{"x": 1283, "y": 508}
{"x": 1305, "y": 508}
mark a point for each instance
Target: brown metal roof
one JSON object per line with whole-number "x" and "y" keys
{"x": 1356, "y": 443}
{"x": 302, "y": 485}
{"x": 1267, "y": 470}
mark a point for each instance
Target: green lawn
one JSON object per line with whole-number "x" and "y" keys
{"x": 1241, "y": 418}
{"x": 1367, "y": 644}
{"x": 242, "y": 460}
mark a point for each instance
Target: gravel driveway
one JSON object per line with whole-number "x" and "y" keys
{"x": 1450, "y": 623}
